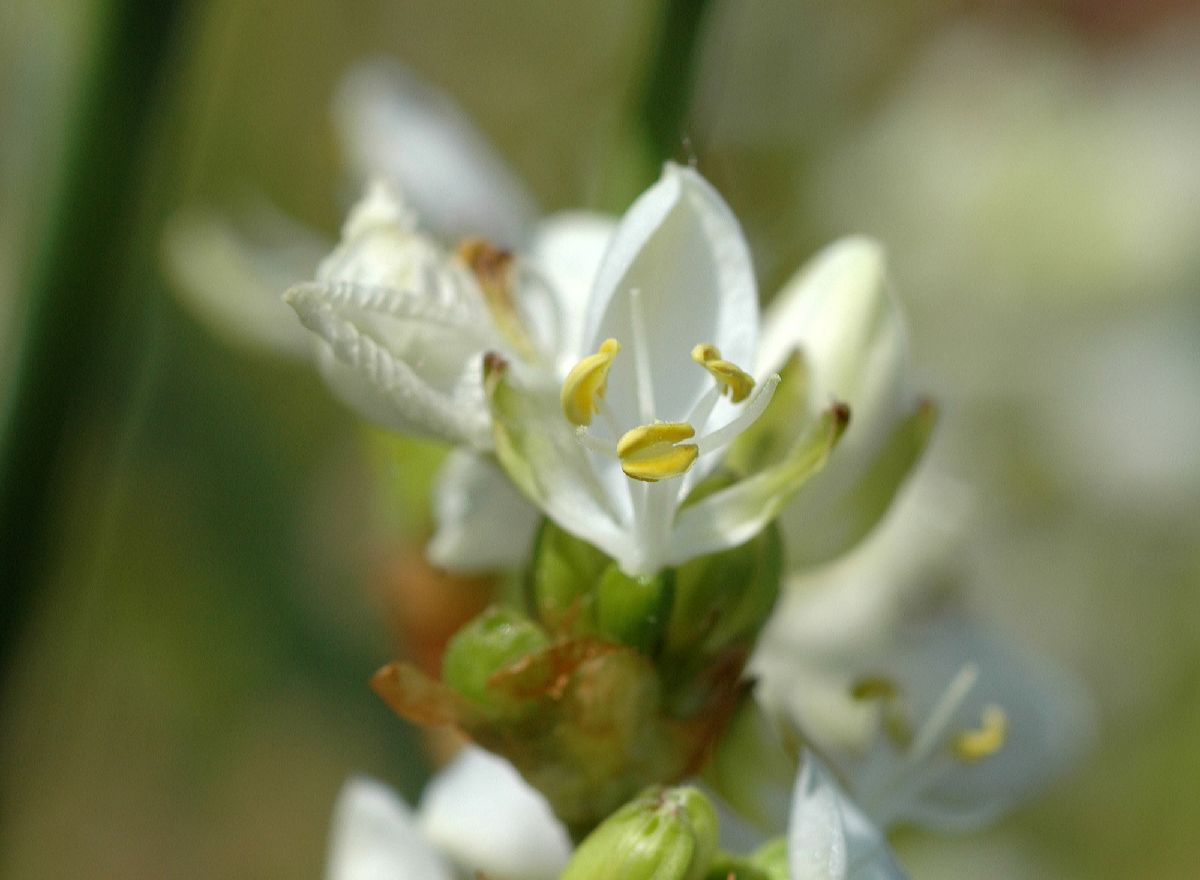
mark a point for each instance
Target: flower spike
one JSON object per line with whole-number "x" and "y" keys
{"x": 584, "y": 386}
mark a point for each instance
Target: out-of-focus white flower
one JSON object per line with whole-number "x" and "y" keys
{"x": 477, "y": 816}
{"x": 394, "y": 125}
{"x": 928, "y": 715}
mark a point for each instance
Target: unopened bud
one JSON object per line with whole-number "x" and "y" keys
{"x": 664, "y": 834}
{"x": 772, "y": 859}
{"x": 564, "y": 575}
{"x": 727, "y": 867}
{"x": 492, "y": 641}
{"x": 633, "y": 610}
{"x": 725, "y": 598}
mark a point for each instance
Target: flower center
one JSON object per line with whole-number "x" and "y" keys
{"x": 922, "y": 756}
{"x": 654, "y": 450}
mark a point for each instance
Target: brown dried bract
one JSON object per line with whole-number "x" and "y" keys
{"x": 413, "y": 695}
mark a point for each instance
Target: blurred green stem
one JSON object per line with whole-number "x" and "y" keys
{"x": 73, "y": 295}
{"x": 669, "y": 81}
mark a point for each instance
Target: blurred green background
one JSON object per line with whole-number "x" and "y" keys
{"x": 202, "y": 568}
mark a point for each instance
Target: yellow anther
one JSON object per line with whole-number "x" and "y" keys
{"x": 584, "y": 386}
{"x": 731, "y": 379}
{"x": 987, "y": 739}
{"x": 874, "y": 687}
{"x": 650, "y": 453}
{"x": 885, "y": 691}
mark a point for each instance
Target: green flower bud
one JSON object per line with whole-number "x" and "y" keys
{"x": 772, "y": 859}
{"x": 633, "y": 610}
{"x": 751, "y": 769}
{"x": 492, "y": 641}
{"x": 725, "y": 598}
{"x": 564, "y": 573}
{"x": 727, "y": 867}
{"x": 663, "y": 834}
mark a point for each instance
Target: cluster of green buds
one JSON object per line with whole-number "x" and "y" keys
{"x": 602, "y": 683}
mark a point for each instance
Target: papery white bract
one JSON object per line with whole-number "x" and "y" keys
{"x": 828, "y": 836}
{"x": 477, "y": 815}
{"x": 400, "y": 325}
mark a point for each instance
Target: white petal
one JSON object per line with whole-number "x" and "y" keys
{"x": 682, "y": 248}
{"x": 483, "y": 522}
{"x": 541, "y": 453}
{"x": 567, "y": 249}
{"x": 828, "y": 836}
{"x": 481, "y": 812}
{"x": 233, "y": 281}
{"x": 375, "y": 837}
{"x": 393, "y": 124}
{"x": 839, "y": 312}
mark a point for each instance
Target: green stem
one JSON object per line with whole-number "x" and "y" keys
{"x": 669, "y": 81}
{"x": 76, "y": 277}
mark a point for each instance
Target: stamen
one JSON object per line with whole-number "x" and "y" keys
{"x": 885, "y": 691}
{"x": 729, "y": 432}
{"x": 641, "y": 357}
{"x": 493, "y": 270}
{"x": 586, "y": 383}
{"x": 947, "y": 704}
{"x": 987, "y": 739}
{"x": 650, "y": 452}
{"x": 594, "y": 443}
{"x": 730, "y": 378}
{"x": 874, "y": 687}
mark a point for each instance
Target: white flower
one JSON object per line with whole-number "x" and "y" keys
{"x": 658, "y": 394}
{"x": 477, "y": 816}
{"x": 930, "y": 716}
